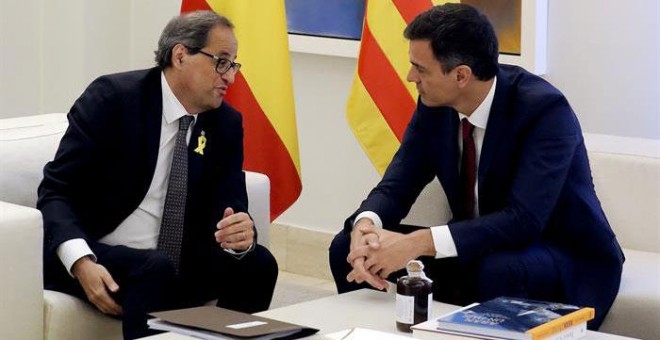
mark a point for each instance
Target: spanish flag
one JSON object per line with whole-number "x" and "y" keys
{"x": 381, "y": 101}
{"x": 263, "y": 93}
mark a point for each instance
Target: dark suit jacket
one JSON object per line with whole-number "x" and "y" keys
{"x": 535, "y": 185}
{"x": 107, "y": 158}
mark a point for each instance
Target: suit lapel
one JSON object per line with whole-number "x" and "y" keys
{"x": 153, "y": 118}
{"x": 443, "y": 124}
{"x": 497, "y": 124}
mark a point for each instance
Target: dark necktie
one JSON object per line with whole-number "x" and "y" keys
{"x": 468, "y": 168}
{"x": 174, "y": 212}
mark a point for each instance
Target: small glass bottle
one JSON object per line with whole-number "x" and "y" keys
{"x": 414, "y": 297}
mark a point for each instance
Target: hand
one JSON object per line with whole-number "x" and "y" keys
{"x": 363, "y": 238}
{"x": 393, "y": 253}
{"x": 235, "y": 231}
{"x": 96, "y": 281}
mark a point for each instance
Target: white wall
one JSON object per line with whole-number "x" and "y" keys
{"x": 51, "y": 50}
{"x": 603, "y": 54}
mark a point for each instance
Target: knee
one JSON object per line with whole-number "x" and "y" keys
{"x": 157, "y": 266}
{"x": 339, "y": 247}
{"x": 495, "y": 266}
{"x": 264, "y": 262}
{"x": 498, "y": 274}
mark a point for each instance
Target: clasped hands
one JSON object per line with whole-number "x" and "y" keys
{"x": 375, "y": 253}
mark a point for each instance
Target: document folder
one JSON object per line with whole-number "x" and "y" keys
{"x": 209, "y": 322}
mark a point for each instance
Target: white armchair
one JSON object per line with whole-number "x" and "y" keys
{"x": 26, "y": 310}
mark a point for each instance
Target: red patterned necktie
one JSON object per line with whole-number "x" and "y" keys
{"x": 174, "y": 211}
{"x": 468, "y": 168}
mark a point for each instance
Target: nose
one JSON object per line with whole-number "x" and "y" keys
{"x": 412, "y": 76}
{"x": 229, "y": 76}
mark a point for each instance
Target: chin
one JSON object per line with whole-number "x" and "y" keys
{"x": 426, "y": 101}
{"x": 431, "y": 103}
{"x": 216, "y": 104}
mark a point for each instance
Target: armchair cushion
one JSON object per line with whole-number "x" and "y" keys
{"x": 26, "y": 145}
{"x": 21, "y": 301}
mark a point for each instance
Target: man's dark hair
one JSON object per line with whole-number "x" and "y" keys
{"x": 191, "y": 30}
{"x": 459, "y": 35}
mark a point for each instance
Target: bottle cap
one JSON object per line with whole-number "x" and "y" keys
{"x": 414, "y": 266}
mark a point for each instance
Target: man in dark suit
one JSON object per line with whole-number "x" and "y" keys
{"x": 510, "y": 156}
{"x": 103, "y": 196}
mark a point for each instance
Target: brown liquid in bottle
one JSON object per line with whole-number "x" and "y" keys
{"x": 414, "y": 296}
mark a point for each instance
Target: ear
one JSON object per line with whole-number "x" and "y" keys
{"x": 179, "y": 54}
{"x": 463, "y": 75}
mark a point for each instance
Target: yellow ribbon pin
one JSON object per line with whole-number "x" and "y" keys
{"x": 201, "y": 143}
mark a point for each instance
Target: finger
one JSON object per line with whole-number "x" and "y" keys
{"x": 358, "y": 252}
{"x": 236, "y": 232}
{"x": 231, "y": 220}
{"x": 112, "y": 286}
{"x": 356, "y": 237}
{"x": 109, "y": 282}
{"x": 377, "y": 271}
{"x": 372, "y": 265}
{"x": 375, "y": 268}
{"x": 363, "y": 275}
{"x": 240, "y": 240}
{"x": 107, "y": 304}
{"x": 240, "y": 245}
{"x": 367, "y": 229}
{"x": 235, "y": 223}
{"x": 353, "y": 276}
{"x": 225, "y": 216}
{"x": 372, "y": 241}
{"x": 98, "y": 295}
{"x": 385, "y": 273}
{"x": 382, "y": 283}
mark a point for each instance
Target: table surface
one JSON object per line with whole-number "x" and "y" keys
{"x": 364, "y": 308}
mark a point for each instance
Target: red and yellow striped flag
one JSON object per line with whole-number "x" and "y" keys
{"x": 381, "y": 102}
{"x": 263, "y": 93}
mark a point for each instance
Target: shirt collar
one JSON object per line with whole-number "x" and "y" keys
{"x": 479, "y": 118}
{"x": 172, "y": 107}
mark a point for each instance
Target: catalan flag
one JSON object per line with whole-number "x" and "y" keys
{"x": 263, "y": 93}
{"x": 381, "y": 101}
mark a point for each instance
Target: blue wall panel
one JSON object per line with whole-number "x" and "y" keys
{"x": 328, "y": 18}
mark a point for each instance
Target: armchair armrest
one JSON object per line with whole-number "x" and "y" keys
{"x": 21, "y": 292}
{"x": 258, "y": 190}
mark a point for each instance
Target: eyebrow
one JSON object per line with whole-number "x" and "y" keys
{"x": 222, "y": 54}
{"x": 418, "y": 65}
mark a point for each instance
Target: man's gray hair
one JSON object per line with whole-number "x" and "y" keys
{"x": 191, "y": 30}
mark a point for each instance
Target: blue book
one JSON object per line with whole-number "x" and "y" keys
{"x": 514, "y": 318}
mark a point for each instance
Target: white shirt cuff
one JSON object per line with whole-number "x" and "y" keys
{"x": 370, "y": 215}
{"x": 443, "y": 242}
{"x": 239, "y": 255}
{"x": 71, "y": 251}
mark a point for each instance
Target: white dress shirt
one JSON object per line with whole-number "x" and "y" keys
{"x": 442, "y": 239}
{"x": 142, "y": 227}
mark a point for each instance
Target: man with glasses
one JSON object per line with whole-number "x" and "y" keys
{"x": 144, "y": 205}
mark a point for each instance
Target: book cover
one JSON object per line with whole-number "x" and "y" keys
{"x": 512, "y": 318}
{"x": 209, "y": 322}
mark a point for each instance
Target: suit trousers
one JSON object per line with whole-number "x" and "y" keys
{"x": 148, "y": 283}
{"x": 527, "y": 273}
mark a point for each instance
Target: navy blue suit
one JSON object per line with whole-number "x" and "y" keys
{"x": 534, "y": 182}
{"x": 103, "y": 169}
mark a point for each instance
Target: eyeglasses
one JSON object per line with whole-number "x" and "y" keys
{"x": 222, "y": 65}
